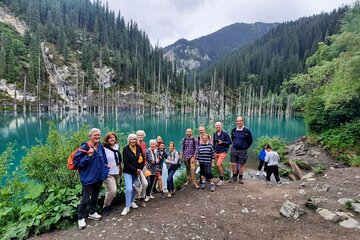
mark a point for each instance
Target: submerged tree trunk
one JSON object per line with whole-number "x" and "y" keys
{"x": 24, "y": 99}
{"x": 15, "y": 99}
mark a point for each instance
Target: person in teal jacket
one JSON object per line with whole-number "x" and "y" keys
{"x": 93, "y": 170}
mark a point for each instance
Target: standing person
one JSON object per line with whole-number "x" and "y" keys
{"x": 133, "y": 165}
{"x": 202, "y": 132}
{"x": 172, "y": 164}
{"x": 272, "y": 159}
{"x": 261, "y": 156}
{"x": 242, "y": 139}
{"x": 93, "y": 170}
{"x": 114, "y": 159}
{"x": 159, "y": 140}
{"x": 162, "y": 155}
{"x": 141, "y": 136}
{"x": 205, "y": 155}
{"x": 189, "y": 146}
{"x": 152, "y": 165}
{"x": 221, "y": 143}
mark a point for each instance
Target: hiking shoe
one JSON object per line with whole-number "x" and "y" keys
{"x": 241, "y": 181}
{"x": 264, "y": 173}
{"x": 220, "y": 183}
{"x": 233, "y": 180}
{"x": 155, "y": 191}
{"x": 143, "y": 204}
{"x": 279, "y": 182}
{"x": 162, "y": 195}
{"x": 95, "y": 216}
{"x": 257, "y": 173}
{"x": 169, "y": 195}
{"x": 147, "y": 198}
{"x": 81, "y": 223}
{"x": 134, "y": 205}
{"x": 125, "y": 211}
{"x": 202, "y": 185}
{"x": 212, "y": 187}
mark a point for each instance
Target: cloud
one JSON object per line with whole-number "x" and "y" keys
{"x": 169, "y": 20}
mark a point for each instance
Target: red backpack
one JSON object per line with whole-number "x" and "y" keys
{"x": 72, "y": 155}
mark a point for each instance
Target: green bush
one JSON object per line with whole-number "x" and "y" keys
{"x": 303, "y": 165}
{"x": 284, "y": 172}
{"x": 180, "y": 179}
{"x": 277, "y": 143}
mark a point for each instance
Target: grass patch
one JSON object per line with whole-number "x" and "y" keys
{"x": 319, "y": 169}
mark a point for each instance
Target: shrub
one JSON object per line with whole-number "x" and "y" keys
{"x": 283, "y": 172}
{"x": 278, "y": 145}
{"x": 319, "y": 169}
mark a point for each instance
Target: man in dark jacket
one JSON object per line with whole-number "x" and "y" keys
{"x": 242, "y": 140}
{"x": 93, "y": 170}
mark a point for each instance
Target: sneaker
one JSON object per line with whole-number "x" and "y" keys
{"x": 257, "y": 173}
{"x": 147, "y": 198}
{"x": 196, "y": 185}
{"x": 212, "y": 187}
{"x": 81, "y": 223}
{"x": 264, "y": 173}
{"x": 143, "y": 204}
{"x": 151, "y": 196}
{"x": 162, "y": 195}
{"x": 220, "y": 183}
{"x": 95, "y": 216}
{"x": 186, "y": 183}
{"x": 202, "y": 185}
{"x": 134, "y": 205}
{"x": 233, "y": 180}
{"x": 241, "y": 181}
{"x": 279, "y": 182}
{"x": 173, "y": 192}
{"x": 125, "y": 211}
{"x": 169, "y": 195}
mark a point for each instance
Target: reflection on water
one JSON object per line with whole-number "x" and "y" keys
{"x": 25, "y": 129}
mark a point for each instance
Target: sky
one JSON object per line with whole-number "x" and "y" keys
{"x": 166, "y": 21}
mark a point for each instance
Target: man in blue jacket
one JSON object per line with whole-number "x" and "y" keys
{"x": 242, "y": 140}
{"x": 93, "y": 170}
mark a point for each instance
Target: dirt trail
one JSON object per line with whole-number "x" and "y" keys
{"x": 233, "y": 211}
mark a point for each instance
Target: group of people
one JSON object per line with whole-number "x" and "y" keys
{"x": 103, "y": 164}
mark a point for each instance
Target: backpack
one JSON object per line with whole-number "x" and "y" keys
{"x": 70, "y": 163}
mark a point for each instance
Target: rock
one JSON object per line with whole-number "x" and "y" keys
{"x": 357, "y": 177}
{"x": 356, "y": 207}
{"x": 245, "y": 210}
{"x": 302, "y": 192}
{"x": 324, "y": 188}
{"x": 314, "y": 153}
{"x": 350, "y": 223}
{"x": 343, "y": 201}
{"x": 309, "y": 175}
{"x": 289, "y": 209}
{"x": 328, "y": 215}
{"x": 344, "y": 215}
{"x": 320, "y": 199}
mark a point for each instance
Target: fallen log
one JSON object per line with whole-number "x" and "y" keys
{"x": 297, "y": 171}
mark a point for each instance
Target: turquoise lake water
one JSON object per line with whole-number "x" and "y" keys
{"x": 25, "y": 130}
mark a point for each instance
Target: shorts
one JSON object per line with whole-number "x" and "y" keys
{"x": 205, "y": 170}
{"x": 238, "y": 156}
{"x": 220, "y": 157}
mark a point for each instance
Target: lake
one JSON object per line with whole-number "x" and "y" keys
{"x": 25, "y": 130}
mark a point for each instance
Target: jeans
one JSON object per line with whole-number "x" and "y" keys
{"x": 129, "y": 190}
{"x": 90, "y": 194}
{"x": 151, "y": 180}
{"x": 170, "y": 179}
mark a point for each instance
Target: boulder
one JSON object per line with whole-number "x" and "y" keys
{"x": 343, "y": 201}
{"x": 356, "y": 207}
{"x": 350, "y": 223}
{"x": 328, "y": 215}
{"x": 289, "y": 209}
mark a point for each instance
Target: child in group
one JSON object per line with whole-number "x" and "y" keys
{"x": 261, "y": 156}
{"x": 272, "y": 159}
{"x": 205, "y": 155}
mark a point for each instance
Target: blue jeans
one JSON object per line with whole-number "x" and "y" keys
{"x": 129, "y": 190}
{"x": 170, "y": 179}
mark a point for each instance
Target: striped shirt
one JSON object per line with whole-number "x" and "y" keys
{"x": 205, "y": 153}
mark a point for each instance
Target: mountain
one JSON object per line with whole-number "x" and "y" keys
{"x": 208, "y": 49}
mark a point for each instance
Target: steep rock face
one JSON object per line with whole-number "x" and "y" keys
{"x": 6, "y": 17}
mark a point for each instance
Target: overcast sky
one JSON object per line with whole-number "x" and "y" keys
{"x": 170, "y": 20}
